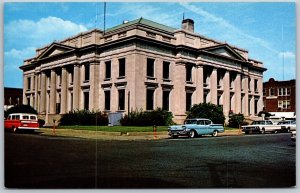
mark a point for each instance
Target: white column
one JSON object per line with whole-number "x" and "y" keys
{"x": 246, "y": 97}
{"x": 53, "y": 92}
{"x": 76, "y": 87}
{"x": 214, "y": 87}
{"x": 199, "y": 84}
{"x": 43, "y": 94}
{"x": 64, "y": 83}
{"x": 237, "y": 90}
{"x": 226, "y": 93}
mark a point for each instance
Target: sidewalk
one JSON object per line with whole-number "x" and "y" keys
{"x": 117, "y": 135}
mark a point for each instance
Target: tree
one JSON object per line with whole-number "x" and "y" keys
{"x": 236, "y": 120}
{"x": 21, "y": 109}
{"x": 208, "y": 111}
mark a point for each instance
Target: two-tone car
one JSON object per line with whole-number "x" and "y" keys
{"x": 262, "y": 127}
{"x": 21, "y": 121}
{"x": 195, "y": 127}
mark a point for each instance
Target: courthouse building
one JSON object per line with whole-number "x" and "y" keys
{"x": 142, "y": 64}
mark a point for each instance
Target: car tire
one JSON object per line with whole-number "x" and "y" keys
{"x": 192, "y": 134}
{"x": 246, "y": 132}
{"x": 174, "y": 136}
{"x": 263, "y": 131}
{"x": 288, "y": 130}
{"x": 275, "y": 132}
{"x": 215, "y": 134}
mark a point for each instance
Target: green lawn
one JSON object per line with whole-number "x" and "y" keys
{"x": 123, "y": 129}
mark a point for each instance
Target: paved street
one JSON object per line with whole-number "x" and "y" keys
{"x": 254, "y": 161}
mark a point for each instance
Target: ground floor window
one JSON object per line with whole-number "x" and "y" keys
{"x": 107, "y": 100}
{"x": 121, "y": 99}
{"x": 166, "y": 101}
{"x": 188, "y": 101}
{"x": 86, "y": 100}
{"x": 149, "y": 99}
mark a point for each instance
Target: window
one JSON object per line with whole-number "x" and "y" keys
{"x": 71, "y": 75}
{"x": 121, "y": 99}
{"x": 256, "y": 85}
{"x": 26, "y": 117}
{"x": 166, "y": 70}
{"x": 149, "y": 99}
{"x": 86, "y": 100}
{"x": 284, "y": 104}
{"x": 32, "y": 117}
{"x": 284, "y": 91}
{"x": 166, "y": 102}
{"x": 188, "y": 101}
{"x": 272, "y": 92}
{"x": 121, "y": 67}
{"x": 189, "y": 73}
{"x": 264, "y": 92}
{"x": 150, "y": 67}
{"x": 28, "y": 83}
{"x": 87, "y": 72}
{"x": 107, "y": 100}
{"x": 108, "y": 70}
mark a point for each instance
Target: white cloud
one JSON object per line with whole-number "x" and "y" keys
{"x": 14, "y": 58}
{"x": 287, "y": 55}
{"x": 44, "y": 31}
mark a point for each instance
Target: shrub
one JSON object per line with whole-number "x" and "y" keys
{"x": 147, "y": 118}
{"x": 236, "y": 120}
{"x": 208, "y": 111}
{"x": 84, "y": 117}
{"x": 20, "y": 109}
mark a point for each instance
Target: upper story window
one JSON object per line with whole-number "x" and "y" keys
{"x": 284, "y": 91}
{"x": 28, "y": 83}
{"x": 189, "y": 73}
{"x": 166, "y": 70}
{"x": 256, "y": 85}
{"x": 121, "y": 67}
{"x": 86, "y": 72}
{"x": 150, "y": 67}
{"x": 272, "y": 92}
{"x": 107, "y": 69}
{"x": 71, "y": 75}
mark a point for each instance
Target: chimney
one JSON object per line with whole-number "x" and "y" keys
{"x": 188, "y": 25}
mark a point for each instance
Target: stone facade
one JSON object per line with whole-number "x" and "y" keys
{"x": 142, "y": 65}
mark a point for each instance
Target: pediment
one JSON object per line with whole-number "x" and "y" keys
{"x": 225, "y": 50}
{"x": 55, "y": 49}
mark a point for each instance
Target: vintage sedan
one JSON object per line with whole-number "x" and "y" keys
{"x": 195, "y": 127}
{"x": 287, "y": 125}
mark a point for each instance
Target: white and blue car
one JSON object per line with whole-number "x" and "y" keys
{"x": 195, "y": 127}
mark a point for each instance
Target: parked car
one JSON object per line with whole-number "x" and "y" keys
{"x": 287, "y": 126}
{"x": 18, "y": 121}
{"x": 262, "y": 126}
{"x": 195, "y": 127}
{"x": 293, "y": 136}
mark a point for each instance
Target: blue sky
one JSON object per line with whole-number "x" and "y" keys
{"x": 266, "y": 30}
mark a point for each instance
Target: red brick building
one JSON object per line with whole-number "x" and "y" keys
{"x": 279, "y": 96}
